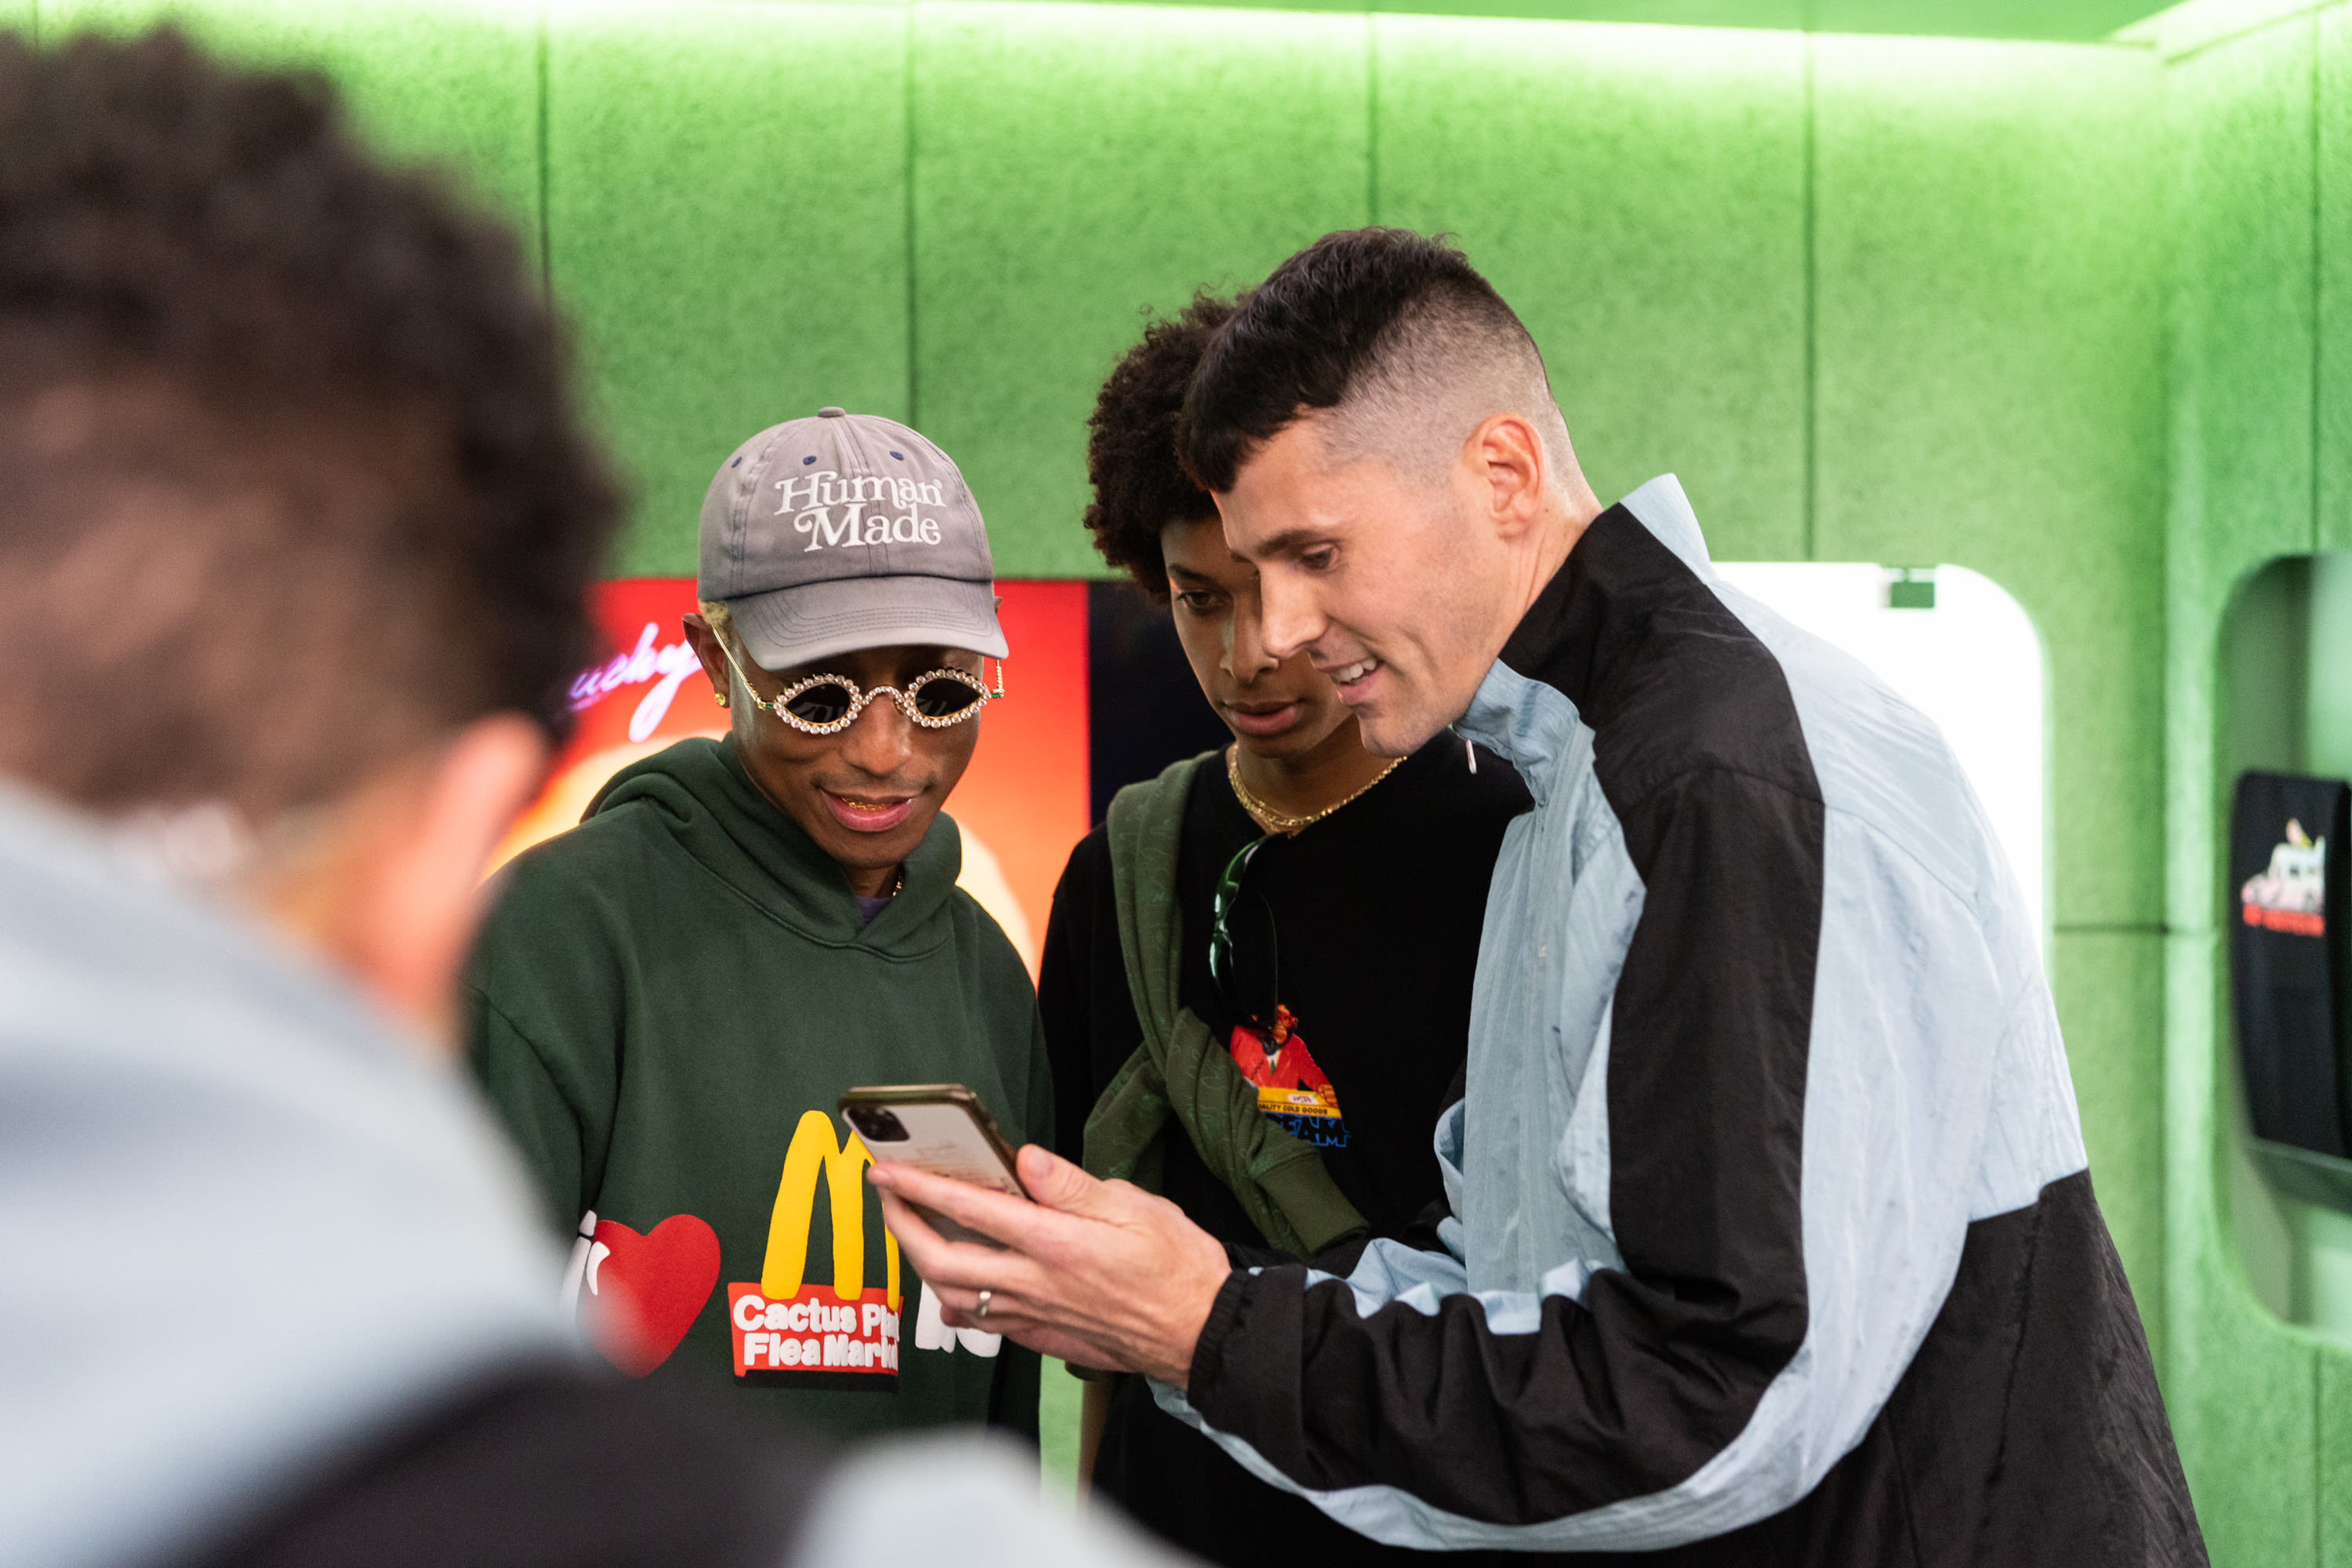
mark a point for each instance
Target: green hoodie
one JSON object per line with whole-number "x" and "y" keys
{"x": 666, "y": 1002}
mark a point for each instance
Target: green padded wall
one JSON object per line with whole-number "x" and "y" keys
{"x": 446, "y": 80}
{"x": 727, "y": 221}
{"x": 2242, "y": 351}
{"x": 2079, "y": 20}
{"x": 2263, "y": 1410}
{"x": 1075, "y": 165}
{"x": 1609, "y": 177}
{"x": 1990, "y": 383}
{"x": 2332, "y": 426}
{"x": 2332, "y": 1461}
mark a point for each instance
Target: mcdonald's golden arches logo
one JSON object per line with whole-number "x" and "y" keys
{"x": 792, "y": 1332}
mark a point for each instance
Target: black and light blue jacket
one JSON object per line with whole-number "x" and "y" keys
{"x": 1770, "y": 1235}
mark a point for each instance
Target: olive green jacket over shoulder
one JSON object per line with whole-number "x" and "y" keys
{"x": 1179, "y": 1073}
{"x": 666, "y": 1002}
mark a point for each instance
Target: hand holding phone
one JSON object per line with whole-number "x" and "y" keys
{"x": 941, "y": 1127}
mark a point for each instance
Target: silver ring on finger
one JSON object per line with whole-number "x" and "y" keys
{"x": 980, "y": 1312}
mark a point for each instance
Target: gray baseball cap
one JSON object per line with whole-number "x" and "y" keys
{"x": 843, "y": 531}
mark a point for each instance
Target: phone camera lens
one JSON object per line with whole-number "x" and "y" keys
{"x": 877, "y": 1124}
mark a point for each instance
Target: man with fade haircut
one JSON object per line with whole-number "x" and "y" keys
{"x": 668, "y": 1000}
{"x": 1257, "y": 979}
{"x": 292, "y": 430}
{"x": 1768, "y": 1235}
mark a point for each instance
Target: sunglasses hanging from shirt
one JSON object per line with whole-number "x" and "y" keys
{"x": 828, "y": 704}
{"x": 1245, "y": 967}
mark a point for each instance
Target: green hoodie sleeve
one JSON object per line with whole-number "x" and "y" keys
{"x": 544, "y": 1126}
{"x": 542, "y": 1034}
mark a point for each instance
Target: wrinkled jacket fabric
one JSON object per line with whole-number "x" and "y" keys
{"x": 1770, "y": 1236}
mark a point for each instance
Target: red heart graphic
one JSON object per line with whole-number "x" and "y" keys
{"x": 644, "y": 1291}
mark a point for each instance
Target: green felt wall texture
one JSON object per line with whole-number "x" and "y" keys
{"x": 1074, "y": 165}
{"x": 1779, "y": 14}
{"x": 1058, "y": 1404}
{"x": 2110, "y": 991}
{"x": 1989, "y": 385}
{"x": 2334, "y": 1459}
{"x": 1612, "y": 180}
{"x": 2243, "y": 116}
{"x": 2241, "y": 133}
{"x": 2333, "y": 93}
{"x": 2053, "y": 19}
{"x": 455, "y": 82}
{"x": 2259, "y": 464}
{"x": 2240, "y": 1386}
{"x": 727, "y": 219}
{"x": 2261, "y": 699}
{"x": 2079, "y": 20}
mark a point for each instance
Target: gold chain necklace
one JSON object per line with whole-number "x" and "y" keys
{"x": 1274, "y": 821}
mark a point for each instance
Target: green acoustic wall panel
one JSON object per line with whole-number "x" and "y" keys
{"x": 2240, "y": 1386}
{"x": 1989, "y": 389}
{"x": 2335, "y": 1461}
{"x": 1638, "y": 194}
{"x": 727, "y": 219}
{"x": 2242, "y": 1402}
{"x": 2244, "y": 345}
{"x": 2110, "y": 990}
{"x": 2083, "y": 20}
{"x": 2240, "y": 128}
{"x": 2246, "y": 1392}
{"x": 1790, "y": 13}
{"x": 1075, "y": 165}
{"x": 2333, "y": 253}
{"x": 452, "y": 81}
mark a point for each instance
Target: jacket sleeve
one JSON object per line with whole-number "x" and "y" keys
{"x": 1742, "y": 1245}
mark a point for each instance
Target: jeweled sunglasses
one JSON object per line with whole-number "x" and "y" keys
{"x": 828, "y": 704}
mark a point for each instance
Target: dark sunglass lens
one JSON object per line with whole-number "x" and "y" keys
{"x": 1251, "y": 977}
{"x": 944, "y": 699}
{"x": 826, "y": 704}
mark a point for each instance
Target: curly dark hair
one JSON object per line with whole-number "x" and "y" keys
{"x": 1330, "y": 319}
{"x": 287, "y": 441}
{"x": 1139, "y": 486}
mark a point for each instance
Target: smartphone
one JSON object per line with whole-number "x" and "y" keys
{"x": 941, "y": 1127}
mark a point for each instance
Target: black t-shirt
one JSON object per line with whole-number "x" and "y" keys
{"x": 1375, "y": 914}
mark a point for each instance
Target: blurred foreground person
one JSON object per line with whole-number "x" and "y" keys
{"x": 1298, "y": 918}
{"x": 294, "y": 430}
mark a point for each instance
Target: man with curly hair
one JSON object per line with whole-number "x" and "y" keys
{"x": 1273, "y": 1060}
{"x": 296, "y": 520}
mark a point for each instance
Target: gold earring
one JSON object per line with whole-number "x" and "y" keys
{"x": 720, "y": 698}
